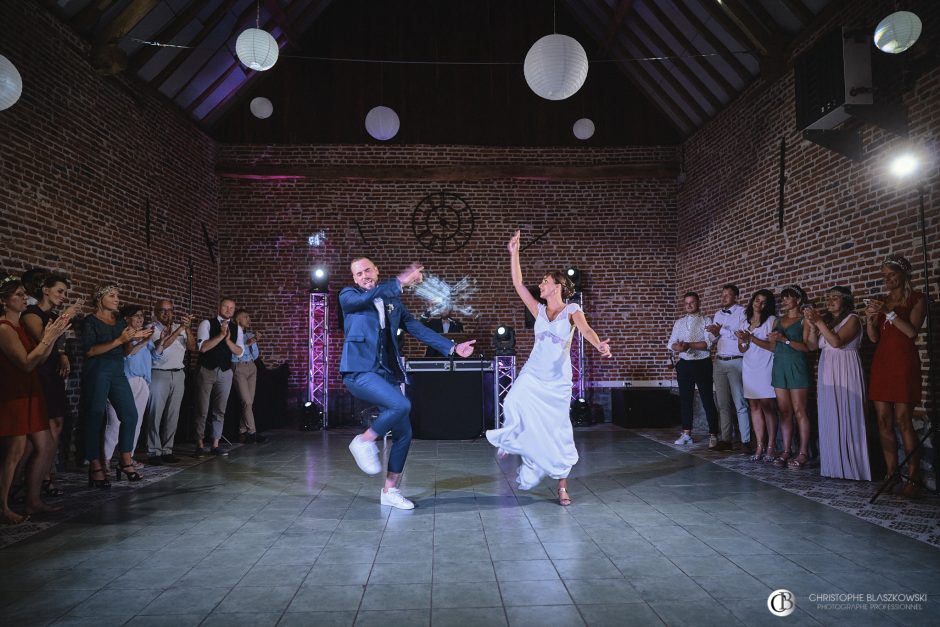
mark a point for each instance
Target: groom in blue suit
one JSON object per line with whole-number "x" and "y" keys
{"x": 371, "y": 365}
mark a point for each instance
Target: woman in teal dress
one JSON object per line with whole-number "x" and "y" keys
{"x": 790, "y": 340}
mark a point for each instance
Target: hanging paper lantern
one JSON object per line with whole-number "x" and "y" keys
{"x": 382, "y": 123}
{"x": 555, "y": 67}
{"x": 583, "y": 129}
{"x": 897, "y": 32}
{"x": 257, "y": 49}
{"x": 11, "y": 83}
{"x": 261, "y": 107}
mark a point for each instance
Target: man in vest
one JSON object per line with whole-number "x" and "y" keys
{"x": 371, "y": 366}
{"x": 218, "y": 339}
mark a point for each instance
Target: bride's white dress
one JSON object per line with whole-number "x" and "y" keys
{"x": 536, "y": 410}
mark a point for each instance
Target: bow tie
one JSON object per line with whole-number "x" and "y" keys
{"x": 726, "y": 311}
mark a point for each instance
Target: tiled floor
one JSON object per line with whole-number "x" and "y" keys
{"x": 290, "y": 533}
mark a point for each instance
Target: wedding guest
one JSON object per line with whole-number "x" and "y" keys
{"x": 728, "y": 370}
{"x": 790, "y": 340}
{"x": 168, "y": 382}
{"x": 840, "y": 388}
{"x": 757, "y": 371}
{"x": 246, "y": 379}
{"x": 894, "y": 322}
{"x": 22, "y": 405}
{"x": 218, "y": 339}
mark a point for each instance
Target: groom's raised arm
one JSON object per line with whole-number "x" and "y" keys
{"x": 351, "y": 299}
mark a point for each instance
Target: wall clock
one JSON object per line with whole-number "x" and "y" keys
{"x": 443, "y": 222}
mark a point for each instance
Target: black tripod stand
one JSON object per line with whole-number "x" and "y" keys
{"x": 932, "y": 432}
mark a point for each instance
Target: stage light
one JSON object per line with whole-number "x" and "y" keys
{"x": 311, "y": 418}
{"x": 904, "y": 165}
{"x": 319, "y": 279}
{"x": 574, "y": 274}
{"x": 898, "y": 32}
{"x": 504, "y": 340}
{"x": 580, "y": 413}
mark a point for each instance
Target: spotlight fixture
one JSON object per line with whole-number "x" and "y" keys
{"x": 504, "y": 340}
{"x": 319, "y": 279}
{"x": 904, "y": 165}
{"x": 311, "y": 418}
{"x": 574, "y": 274}
{"x": 580, "y": 413}
{"x": 898, "y": 32}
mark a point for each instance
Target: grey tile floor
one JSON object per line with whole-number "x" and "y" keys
{"x": 291, "y": 533}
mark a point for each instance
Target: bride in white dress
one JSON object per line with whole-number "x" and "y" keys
{"x": 537, "y": 426}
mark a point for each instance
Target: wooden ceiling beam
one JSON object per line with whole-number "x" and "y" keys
{"x": 591, "y": 22}
{"x": 207, "y": 28}
{"x": 715, "y": 42}
{"x": 624, "y": 7}
{"x": 800, "y": 11}
{"x": 86, "y": 19}
{"x": 284, "y": 22}
{"x": 809, "y": 30}
{"x": 143, "y": 55}
{"x": 687, "y": 47}
{"x": 665, "y": 170}
{"x": 106, "y": 56}
{"x": 764, "y": 36}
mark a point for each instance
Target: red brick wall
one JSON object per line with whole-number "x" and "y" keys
{"x": 81, "y": 156}
{"x": 841, "y": 217}
{"x": 620, "y": 233}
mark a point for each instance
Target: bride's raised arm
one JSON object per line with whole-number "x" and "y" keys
{"x": 531, "y": 304}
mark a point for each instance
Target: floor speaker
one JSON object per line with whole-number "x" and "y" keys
{"x": 634, "y": 408}
{"x": 448, "y": 405}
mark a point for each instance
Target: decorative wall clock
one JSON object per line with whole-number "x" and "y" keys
{"x": 443, "y": 222}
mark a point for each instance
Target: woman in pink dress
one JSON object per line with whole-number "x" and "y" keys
{"x": 840, "y": 390}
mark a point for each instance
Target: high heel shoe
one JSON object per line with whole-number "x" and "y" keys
{"x": 131, "y": 475}
{"x": 101, "y": 484}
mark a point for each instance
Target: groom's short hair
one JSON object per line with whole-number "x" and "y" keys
{"x": 357, "y": 259}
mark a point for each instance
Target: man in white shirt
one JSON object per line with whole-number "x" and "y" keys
{"x": 218, "y": 339}
{"x": 692, "y": 343}
{"x": 729, "y": 387}
{"x": 168, "y": 383}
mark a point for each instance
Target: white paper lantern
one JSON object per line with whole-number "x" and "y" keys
{"x": 583, "y": 129}
{"x": 382, "y": 123}
{"x": 261, "y": 107}
{"x": 257, "y": 49}
{"x": 555, "y": 67}
{"x": 11, "y": 83}
{"x": 897, "y": 32}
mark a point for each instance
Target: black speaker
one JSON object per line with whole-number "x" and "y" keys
{"x": 449, "y": 405}
{"x": 634, "y": 408}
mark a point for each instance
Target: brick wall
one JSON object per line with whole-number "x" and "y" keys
{"x": 620, "y": 233}
{"x": 81, "y": 158}
{"x": 841, "y": 217}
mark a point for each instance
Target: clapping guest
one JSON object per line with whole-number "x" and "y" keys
{"x": 246, "y": 378}
{"x": 168, "y": 383}
{"x": 139, "y": 356}
{"x": 894, "y": 321}
{"x": 757, "y": 370}
{"x": 104, "y": 336}
{"x": 790, "y": 340}
{"x": 56, "y": 368}
{"x": 840, "y": 390}
{"x": 22, "y": 406}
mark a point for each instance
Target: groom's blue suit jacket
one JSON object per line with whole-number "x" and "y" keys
{"x": 361, "y": 326}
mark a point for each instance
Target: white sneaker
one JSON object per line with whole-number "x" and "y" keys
{"x": 712, "y": 442}
{"x": 393, "y": 498}
{"x": 684, "y": 439}
{"x": 366, "y": 455}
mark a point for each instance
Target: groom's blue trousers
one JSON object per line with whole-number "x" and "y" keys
{"x": 383, "y": 390}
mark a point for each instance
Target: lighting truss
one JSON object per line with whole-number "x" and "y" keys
{"x": 319, "y": 351}
{"x": 503, "y": 376}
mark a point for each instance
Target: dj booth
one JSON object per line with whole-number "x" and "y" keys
{"x": 451, "y": 399}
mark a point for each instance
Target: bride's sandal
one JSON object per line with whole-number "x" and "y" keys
{"x": 563, "y": 498}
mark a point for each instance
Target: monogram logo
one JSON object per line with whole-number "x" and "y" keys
{"x": 781, "y": 603}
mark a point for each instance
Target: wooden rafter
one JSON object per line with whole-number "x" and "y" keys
{"x": 809, "y": 30}
{"x": 715, "y": 42}
{"x": 285, "y": 23}
{"x": 171, "y": 29}
{"x": 624, "y": 7}
{"x": 86, "y": 19}
{"x": 207, "y": 28}
{"x": 764, "y": 36}
{"x": 592, "y": 23}
{"x": 666, "y": 50}
{"x": 106, "y": 56}
{"x": 686, "y": 46}
{"x": 667, "y": 170}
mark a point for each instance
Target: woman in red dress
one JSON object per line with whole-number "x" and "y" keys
{"x": 894, "y": 322}
{"x": 22, "y": 406}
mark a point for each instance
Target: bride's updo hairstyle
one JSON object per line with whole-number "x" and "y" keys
{"x": 567, "y": 287}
